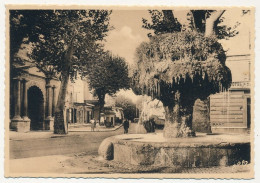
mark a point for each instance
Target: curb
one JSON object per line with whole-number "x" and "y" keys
{"x": 108, "y": 130}
{"x": 61, "y": 135}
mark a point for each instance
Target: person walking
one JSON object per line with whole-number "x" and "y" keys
{"x": 93, "y": 124}
{"x": 126, "y": 126}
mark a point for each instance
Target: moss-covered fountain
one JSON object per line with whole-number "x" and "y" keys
{"x": 177, "y": 69}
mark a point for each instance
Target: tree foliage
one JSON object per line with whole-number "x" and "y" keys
{"x": 107, "y": 75}
{"x": 165, "y": 22}
{"x": 128, "y": 106}
{"x": 185, "y": 61}
{"x": 162, "y": 22}
{"x": 178, "y": 68}
{"x": 197, "y": 21}
{"x": 64, "y": 43}
{"x": 182, "y": 63}
{"x": 55, "y": 33}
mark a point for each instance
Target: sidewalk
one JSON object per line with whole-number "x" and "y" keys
{"x": 49, "y": 134}
{"x": 87, "y": 128}
{"x": 78, "y": 163}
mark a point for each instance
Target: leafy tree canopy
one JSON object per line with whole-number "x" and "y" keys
{"x": 162, "y": 22}
{"x": 182, "y": 63}
{"x": 57, "y": 34}
{"x": 108, "y": 75}
{"x": 64, "y": 43}
{"x": 128, "y": 106}
{"x": 185, "y": 61}
{"x": 165, "y": 22}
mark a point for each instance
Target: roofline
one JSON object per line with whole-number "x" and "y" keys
{"x": 238, "y": 55}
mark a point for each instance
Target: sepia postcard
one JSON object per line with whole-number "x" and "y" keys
{"x": 129, "y": 92}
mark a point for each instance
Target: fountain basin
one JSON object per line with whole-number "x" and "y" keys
{"x": 201, "y": 151}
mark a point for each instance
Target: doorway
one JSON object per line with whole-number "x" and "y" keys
{"x": 35, "y": 108}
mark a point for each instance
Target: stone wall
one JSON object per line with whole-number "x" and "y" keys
{"x": 176, "y": 155}
{"x": 201, "y": 118}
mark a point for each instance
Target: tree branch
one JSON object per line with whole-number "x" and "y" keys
{"x": 168, "y": 16}
{"x": 211, "y": 22}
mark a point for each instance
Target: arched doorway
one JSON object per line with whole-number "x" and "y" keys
{"x": 35, "y": 108}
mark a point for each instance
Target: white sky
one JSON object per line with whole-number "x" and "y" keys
{"x": 128, "y": 32}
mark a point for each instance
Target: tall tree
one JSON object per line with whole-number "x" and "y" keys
{"x": 107, "y": 75}
{"x": 22, "y": 31}
{"x": 206, "y": 22}
{"x": 64, "y": 41}
{"x": 178, "y": 68}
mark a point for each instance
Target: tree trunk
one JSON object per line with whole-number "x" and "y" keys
{"x": 60, "y": 125}
{"x": 101, "y": 99}
{"x": 178, "y": 119}
{"x": 212, "y": 21}
{"x": 198, "y": 19}
{"x": 187, "y": 114}
{"x": 168, "y": 16}
{"x": 172, "y": 118}
{"x": 201, "y": 121}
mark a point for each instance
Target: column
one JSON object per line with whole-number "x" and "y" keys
{"x": 49, "y": 101}
{"x": 17, "y": 123}
{"x": 49, "y": 121}
{"x": 17, "y": 100}
{"x": 25, "y": 101}
{"x": 53, "y": 99}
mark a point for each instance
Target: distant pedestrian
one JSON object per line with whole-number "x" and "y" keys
{"x": 126, "y": 126}
{"x": 93, "y": 124}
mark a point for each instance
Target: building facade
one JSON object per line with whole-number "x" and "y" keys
{"x": 81, "y": 105}
{"x": 33, "y": 98}
{"x": 230, "y": 111}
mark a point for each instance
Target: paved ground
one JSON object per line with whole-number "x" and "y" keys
{"x": 80, "y": 163}
{"x": 42, "y": 152}
{"x": 35, "y": 144}
{"x": 76, "y": 153}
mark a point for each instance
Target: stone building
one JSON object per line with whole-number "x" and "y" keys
{"x": 33, "y": 97}
{"x": 81, "y": 105}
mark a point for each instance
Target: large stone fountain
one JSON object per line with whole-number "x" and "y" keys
{"x": 177, "y": 69}
{"x": 154, "y": 150}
